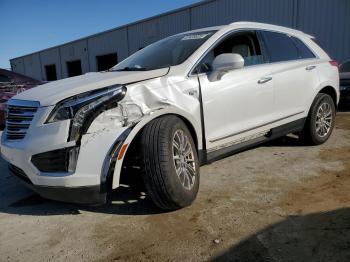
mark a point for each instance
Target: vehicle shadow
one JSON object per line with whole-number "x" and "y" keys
{"x": 315, "y": 237}
{"x": 125, "y": 200}
{"x": 15, "y": 198}
{"x": 285, "y": 141}
{"x": 129, "y": 199}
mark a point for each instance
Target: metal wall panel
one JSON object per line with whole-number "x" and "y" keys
{"x": 17, "y": 65}
{"x": 74, "y": 51}
{"x": 147, "y": 32}
{"x": 223, "y": 12}
{"x": 51, "y": 57}
{"x": 329, "y": 22}
{"x": 107, "y": 43}
{"x": 32, "y": 66}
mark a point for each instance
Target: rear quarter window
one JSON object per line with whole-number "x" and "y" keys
{"x": 304, "y": 51}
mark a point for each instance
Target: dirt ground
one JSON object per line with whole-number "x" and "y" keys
{"x": 278, "y": 202}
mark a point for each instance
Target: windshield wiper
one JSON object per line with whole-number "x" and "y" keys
{"x": 131, "y": 69}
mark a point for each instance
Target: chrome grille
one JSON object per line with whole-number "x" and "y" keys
{"x": 19, "y": 115}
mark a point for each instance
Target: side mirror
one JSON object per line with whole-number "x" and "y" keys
{"x": 224, "y": 63}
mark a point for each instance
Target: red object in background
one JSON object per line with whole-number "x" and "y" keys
{"x": 12, "y": 84}
{"x": 334, "y": 63}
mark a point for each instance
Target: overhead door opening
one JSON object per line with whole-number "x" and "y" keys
{"x": 105, "y": 62}
{"x": 74, "y": 68}
{"x": 51, "y": 74}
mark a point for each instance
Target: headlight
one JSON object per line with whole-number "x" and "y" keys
{"x": 83, "y": 108}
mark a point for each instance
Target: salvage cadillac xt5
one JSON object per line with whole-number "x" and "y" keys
{"x": 171, "y": 107}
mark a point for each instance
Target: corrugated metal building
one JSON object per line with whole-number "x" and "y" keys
{"x": 327, "y": 20}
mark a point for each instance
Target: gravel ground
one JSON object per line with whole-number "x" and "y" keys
{"x": 277, "y": 202}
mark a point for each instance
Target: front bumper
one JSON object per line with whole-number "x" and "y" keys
{"x": 85, "y": 185}
{"x": 91, "y": 195}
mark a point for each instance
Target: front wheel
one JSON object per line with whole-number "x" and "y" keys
{"x": 170, "y": 161}
{"x": 320, "y": 122}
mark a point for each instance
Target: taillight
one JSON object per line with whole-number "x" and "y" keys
{"x": 334, "y": 63}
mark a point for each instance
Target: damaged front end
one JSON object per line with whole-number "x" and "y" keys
{"x": 79, "y": 144}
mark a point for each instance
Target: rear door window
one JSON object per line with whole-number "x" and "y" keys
{"x": 280, "y": 47}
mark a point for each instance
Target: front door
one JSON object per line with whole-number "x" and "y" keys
{"x": 242, "y": 100}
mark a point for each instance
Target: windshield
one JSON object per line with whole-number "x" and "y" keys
{"x": 170, "y": 51}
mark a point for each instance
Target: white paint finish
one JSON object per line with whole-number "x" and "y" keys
{"x": 52, "y": 93}
{"x": 235, "y": 107}
{"x": 74, "y": 51}
{"x": 111, "y": 42}
{"x": 51, "y": 57}
{"x": 294, "y": 86}
{"x": 236, "y": 102}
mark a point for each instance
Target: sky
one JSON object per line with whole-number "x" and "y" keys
{"x": 32, "y": 25}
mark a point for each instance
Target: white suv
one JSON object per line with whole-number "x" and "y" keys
{"x": 179, "y": 103}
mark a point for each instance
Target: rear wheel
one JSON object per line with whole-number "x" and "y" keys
{"x": 321, "y": 120}
{"x": 169, "y": 156}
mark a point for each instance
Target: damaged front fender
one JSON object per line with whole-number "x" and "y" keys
{"x": 144, "y": 101}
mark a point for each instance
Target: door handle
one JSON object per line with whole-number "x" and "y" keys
{"x": 311, "y": 67}
{"x": 192, "y": 92}
{"x": 264, "y": 80}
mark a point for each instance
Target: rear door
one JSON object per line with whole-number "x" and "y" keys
{"x": 293, "y": 69}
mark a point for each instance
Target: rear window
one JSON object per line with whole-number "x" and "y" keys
{"x": 304, "y": 51}
{"x": 280, "y": 47}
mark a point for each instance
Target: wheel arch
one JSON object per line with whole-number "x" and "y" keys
{"x": 326, "y": 88}
{"x": 331, "y": 91}
{"x": 191, "y": 123}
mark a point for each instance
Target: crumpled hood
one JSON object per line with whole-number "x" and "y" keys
{"x": 52, "y": 93}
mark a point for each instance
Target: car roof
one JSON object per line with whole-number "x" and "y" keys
{"x": 254, "y": 25}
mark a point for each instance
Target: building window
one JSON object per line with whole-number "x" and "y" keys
{"x": 4, "y": 78}
{"x": 74, "y": 68}
{"x": 105, "y": 62}
{"x": 50, "y": 71}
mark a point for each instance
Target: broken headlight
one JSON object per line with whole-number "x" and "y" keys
{"x": 83, "y": 108}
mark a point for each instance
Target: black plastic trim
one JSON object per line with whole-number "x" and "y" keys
{"x": 20, "y": 174}
{"x": 111, "y": 158}
{"x": 55, "y": 161}
{"x": 89, "y": 195}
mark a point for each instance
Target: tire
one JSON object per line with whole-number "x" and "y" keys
{"x": 167, "y": 189}
{"x": 318, "y": 133}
